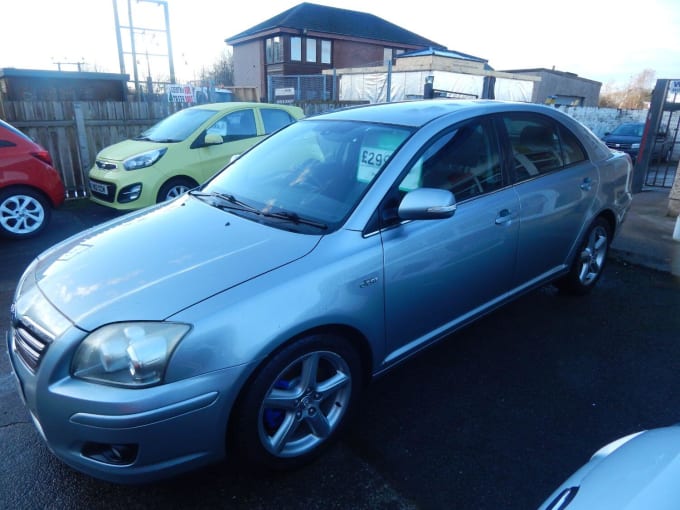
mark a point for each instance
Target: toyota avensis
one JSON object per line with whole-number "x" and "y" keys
{"x": 243, "y": 318}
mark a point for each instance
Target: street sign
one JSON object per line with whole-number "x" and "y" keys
{"x": 674, "y": 87}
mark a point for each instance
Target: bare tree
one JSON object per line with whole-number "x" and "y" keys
{"x": 221, "y": 73}
{"x": 636, "y": 94}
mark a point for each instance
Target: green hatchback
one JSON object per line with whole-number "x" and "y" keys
{"x": 181, "y": 152}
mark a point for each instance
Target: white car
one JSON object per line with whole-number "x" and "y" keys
{"x": 637, "y": 472}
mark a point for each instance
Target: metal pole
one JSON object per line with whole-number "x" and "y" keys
{"x": 169, "y": 39}
{"x": 121, "y": 59}
{"x": 389, "y": 81}
{"x": 134, "y": 52}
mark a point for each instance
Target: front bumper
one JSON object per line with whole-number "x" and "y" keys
{"x": 112, "y": 188}
{"x": 126, "y": 435}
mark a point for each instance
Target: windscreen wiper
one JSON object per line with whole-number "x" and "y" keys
{"x": 295, "y": 218}
{"x": 231, "y": 201}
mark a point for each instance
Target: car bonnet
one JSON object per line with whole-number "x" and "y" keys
{"x": 149, "y": 266}
{"x": 641, "y": 474}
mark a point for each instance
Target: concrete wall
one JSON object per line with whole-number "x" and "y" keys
{"x": 603, "y": 120}
{"x": 559, "y": 87}
{"x": 563, "y": 84}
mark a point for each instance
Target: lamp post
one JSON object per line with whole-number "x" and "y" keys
{"x": 428, "y": 90}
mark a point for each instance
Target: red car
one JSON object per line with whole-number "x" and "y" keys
{"x": 29, "y": 185}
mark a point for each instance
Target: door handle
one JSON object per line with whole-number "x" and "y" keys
{"x": 587, "y": 184}
{"x": 504, "y": 216}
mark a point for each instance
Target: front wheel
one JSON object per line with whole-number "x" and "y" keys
{"x": 23, "y": 213}
{"x": 174, "y": 188}
{"x": 297, "y": 403}
{"x": 590, "y": 260}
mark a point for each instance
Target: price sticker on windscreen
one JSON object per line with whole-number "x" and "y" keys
{"x": 371, "y": 159}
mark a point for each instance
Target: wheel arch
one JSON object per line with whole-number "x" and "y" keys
{"x": 354, "y": 338}
{"x": 31, "y": 188}
{"x": 609, "y": 216}
{"x": 177, "y": 177}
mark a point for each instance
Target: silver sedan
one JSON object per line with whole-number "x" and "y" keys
{"x": 243, "y": 319}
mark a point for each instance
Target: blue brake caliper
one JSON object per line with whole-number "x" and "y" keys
{"x": 273, "y": 418}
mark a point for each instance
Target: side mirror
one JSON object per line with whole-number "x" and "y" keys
{"x": 427, "y": 204}
{"x": 213, "y": 139}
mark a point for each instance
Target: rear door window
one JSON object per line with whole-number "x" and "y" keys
{"x": 274, "y": 119}
{"x": 540, "y": 145}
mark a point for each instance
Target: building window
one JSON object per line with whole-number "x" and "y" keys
{"x": 325, "y": 52}
{"x": 311, "y": 50}
{"x": 387, "y": 55}
{"x": 274, "y": 50}
{"x": 296, "y": 48}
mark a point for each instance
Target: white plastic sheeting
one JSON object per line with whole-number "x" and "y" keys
{"x": 372, "y": 87}
{"x": 507, "y": 89}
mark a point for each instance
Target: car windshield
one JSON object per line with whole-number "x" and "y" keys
{"x": 629, "y": 130}
{"x": 178, "y": 126}
{"x": 314, "y": 171}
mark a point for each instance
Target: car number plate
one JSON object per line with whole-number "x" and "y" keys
{"x": 99, "y": 188}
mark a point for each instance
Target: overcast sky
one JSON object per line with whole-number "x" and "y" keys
{"x": 605, "y": 40}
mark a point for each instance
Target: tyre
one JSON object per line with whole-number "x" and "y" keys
{"x": 297, "y": 403}
{"x": 174, "y": 188}
{"x": 590, "y": 260}
{"x": 24, "y": 212}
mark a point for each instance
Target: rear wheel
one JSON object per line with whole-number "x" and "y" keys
{"x": 297, "y": 403}
{"x": 174, "y": 188}
{"x": 23, "y": 212}
{"x": 590, "y": 260}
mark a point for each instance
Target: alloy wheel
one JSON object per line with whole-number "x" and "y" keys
{"x": 593, "y": 255}
{"x": 305, "y": 404}
{"x": 21, "y": 215}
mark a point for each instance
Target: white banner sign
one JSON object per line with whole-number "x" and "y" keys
{"x": 180, "y": 93}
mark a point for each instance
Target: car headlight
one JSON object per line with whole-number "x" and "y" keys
{"x": 131, "y": 354}
{"x": 143, "y": 160}
{"x": 635, "y": 146}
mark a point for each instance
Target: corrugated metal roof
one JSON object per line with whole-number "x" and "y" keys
{"x": 11, "y": 72}
{"x": 442, "y": 53}
{"x": 341, "y": 22}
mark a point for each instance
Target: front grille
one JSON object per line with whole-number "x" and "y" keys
{"x": 103, "y": 190}
{"x": 619, "y": 146}
{"x": 30, "y": 346}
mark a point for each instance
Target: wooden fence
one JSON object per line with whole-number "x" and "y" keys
{"x": 74, "y": 132}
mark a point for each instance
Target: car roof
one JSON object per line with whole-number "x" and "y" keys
{"x": 235, "y": 105}
{"x": 418, "y": 113}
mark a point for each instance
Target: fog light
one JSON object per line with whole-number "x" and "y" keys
{"x": 116, "y": 454}
{"x": 130, "y": 193}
